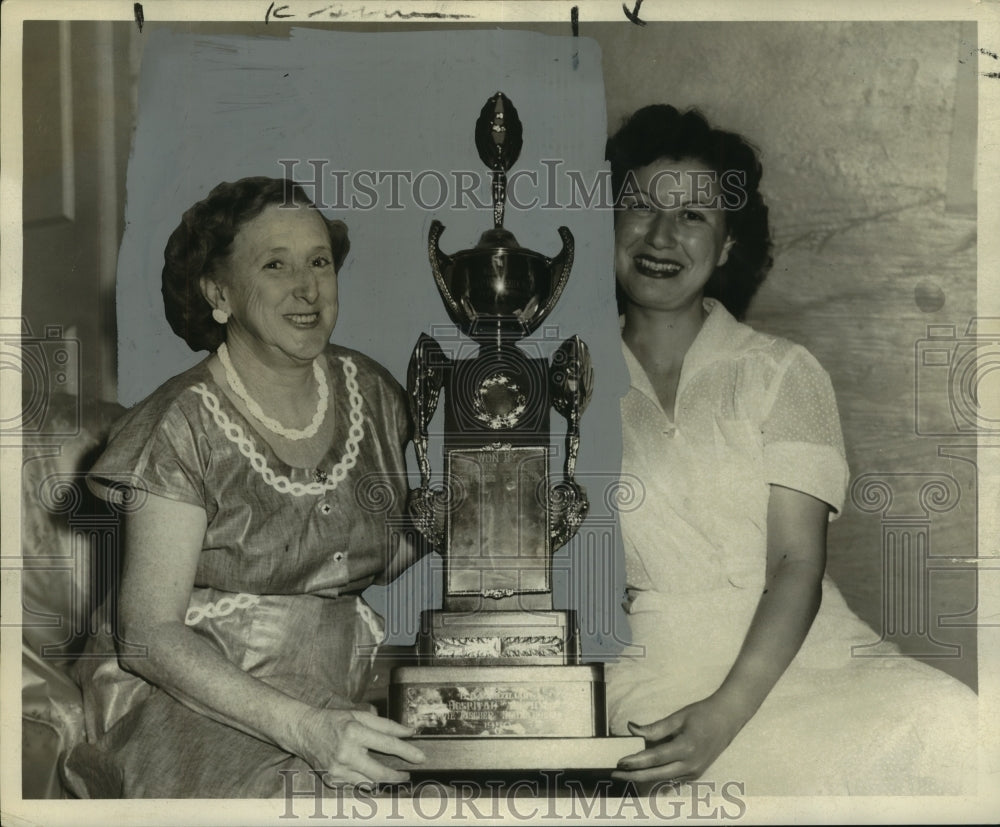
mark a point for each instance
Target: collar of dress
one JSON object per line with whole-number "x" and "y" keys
{"x": 720, "y": 337}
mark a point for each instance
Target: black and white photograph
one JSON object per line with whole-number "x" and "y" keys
{"x": 499, "y": 412}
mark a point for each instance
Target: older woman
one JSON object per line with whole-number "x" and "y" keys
{"x": 736, "y": 439}
{"x": 244, "y": 646}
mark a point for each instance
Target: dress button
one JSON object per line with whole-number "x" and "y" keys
{"x": 338, "y": 556}
{"x": 325, "y": 508}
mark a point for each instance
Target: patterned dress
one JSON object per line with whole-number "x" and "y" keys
{"x": 284, "y": 559}
{"x": 753, "y": 411}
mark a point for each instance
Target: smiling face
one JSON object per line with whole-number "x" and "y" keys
{"x": 279, "y": 285}
{"x": 670, "y": 235}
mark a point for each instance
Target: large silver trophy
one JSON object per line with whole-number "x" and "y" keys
{"x": 499, "y": 685}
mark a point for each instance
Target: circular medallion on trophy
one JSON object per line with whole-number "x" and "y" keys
{"x": 498, "y": 402}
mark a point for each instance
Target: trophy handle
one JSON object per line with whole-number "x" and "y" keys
{"x": 569, "y": 505}
{"x": 441, "y": 264}
{"x": 571, "y": 381}
{"x": 424, "y": 380}
{"x": 425, "y": 377}
{"x": 559, "y": 267}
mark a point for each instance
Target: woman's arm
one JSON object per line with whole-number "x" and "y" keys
{"x": 684, "y": 744}
{"x": 163, "y": 541}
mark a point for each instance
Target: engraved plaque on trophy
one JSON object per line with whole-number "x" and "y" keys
{"x": 499, "y": 669}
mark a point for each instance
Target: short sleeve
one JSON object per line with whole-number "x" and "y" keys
{"x": 404, "y": 425}
{"x": 386, "y": 398}
{"x": 803, "y": 442}
{"x": 159, "y": 455}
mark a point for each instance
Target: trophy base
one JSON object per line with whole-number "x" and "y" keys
{"x": 471, "y": 755}
{"x": 499, "y": 702}
{"x": 498, "y": 638}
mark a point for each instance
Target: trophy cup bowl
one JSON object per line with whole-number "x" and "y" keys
{"x": 498, "y": 287}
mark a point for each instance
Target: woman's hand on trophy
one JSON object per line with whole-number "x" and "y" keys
{"x": 340, "y": 744}
{"x": 683, "y": 745}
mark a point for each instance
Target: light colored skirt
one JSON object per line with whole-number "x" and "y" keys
{"x": 834, "y": 724}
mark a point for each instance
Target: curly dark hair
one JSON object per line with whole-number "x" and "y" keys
{"x": 204, "y": 238}
{"x": 661, "y": 131}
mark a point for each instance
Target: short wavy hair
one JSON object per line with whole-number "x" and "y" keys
{"x": 660, "y": 131}
{"x": 204, "y": 239}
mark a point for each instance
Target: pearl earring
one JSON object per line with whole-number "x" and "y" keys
{"x": 221, "y": 316}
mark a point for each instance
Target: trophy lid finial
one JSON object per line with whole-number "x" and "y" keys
{"x": 498, "y": 290}
{"x": 499, "y": 134}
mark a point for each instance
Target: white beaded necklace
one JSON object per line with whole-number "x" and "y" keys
{"x": 324, "y": 481}
{"x": 273, "y": 425}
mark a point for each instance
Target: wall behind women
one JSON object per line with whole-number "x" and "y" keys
{"x": 867, "y": 133}
{"x": 78, "y": 107}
